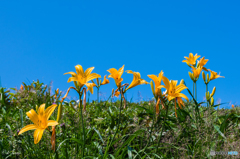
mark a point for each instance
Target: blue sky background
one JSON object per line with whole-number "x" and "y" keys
{"x": 45, "y": 39}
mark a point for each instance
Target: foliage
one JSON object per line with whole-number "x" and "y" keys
{"x": 167, "y": 128}
{"x": 184, "y": 137}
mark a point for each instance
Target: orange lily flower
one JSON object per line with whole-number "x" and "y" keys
{"x": 214, "y": 75}
{"x": 202, "y": 61}
{"x": 191, "y": 59}
{"x": 136, "y": 80}
{"x": 196, "y": 72}
{"x": 40, "y": 121}
{"x": 116, "y": 75}
{"x": 173, "y": 91}
{"x": 157, "y": 82}
{"x": 83, "y": 77}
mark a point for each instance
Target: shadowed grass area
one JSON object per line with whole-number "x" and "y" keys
{"x": 137, "y": 132}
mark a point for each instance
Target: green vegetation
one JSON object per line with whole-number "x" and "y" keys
{"x": 138, "y": 132}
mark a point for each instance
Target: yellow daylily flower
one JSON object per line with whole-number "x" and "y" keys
{"x": 173, "y": 91}
{"x": 214, "y": 75}
{"x": 116, "y": 75}
{"x": 105, "y": 80}
{"x": 157, "y": 91}
{"x": 191, "y": 59}
{"x": 136, "y": 79}
{"x": 40, "y": 121}
{"x": 21, "y": 87}
{"x": 116, "y": 94}
{"x": 83, "y": 77}
{"x": 180, "y": 102}
{"x": 202, "y": 61}
{"x": 157, "y": 82}
{"x": 196, "y": 72}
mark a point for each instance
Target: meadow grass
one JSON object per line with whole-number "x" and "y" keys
{"x": 135, "y": 132}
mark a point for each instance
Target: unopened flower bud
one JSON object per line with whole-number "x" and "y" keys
{"x": 191, "y": 76}
{"x": 208, "y": 79}
{"x": 152, "y": 87}
{"x": 207, "y": 96}
{"x": 97, "y": 81}
{"x": 204, "y": 77}
{"x": 198, "y": 63}
{"x": 182, "y": 81}
{"x": 213, "y": 92}
{"x": 212, "y": 101}
{"x": 59, "y": 115}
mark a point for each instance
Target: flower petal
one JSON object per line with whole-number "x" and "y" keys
{"x": 52, "y": 123}
{"x": 187, "y": 62}
{"x": 118, "y": 82}
{"x": 135, "y": 81}
{"x": 142, "y": 81}
{"x": 170, "y": 97}
{"x": 196, "y": 56}
{"x": 120, "y": 71}
{"x": 112, "y": 71}
{"x": 72, "y": 79}
{"x": 204, "y": 68}
{"x": 88, "y": 71}
{"x": 174, "y": 83}
{"x": 117, "y": 94}
{"x": 105, "y": 80}
{"x": 180, "y": 87}
{"x": 72, "y": 73}
{"x": 33, "y": 116}
{"x": 161, "y": 86}
{"x": 182, "y": 95}
{"x": 38, "y": 135}
{"x": 92, "y": 76}
{"x": 41, "y": 110}
{"x": 129, "y": 71}
{"x": 155, "y": 80}
{"x": 79, "y": 70}
{"x": 152, "y": 87}
{"x": 166, "y": 82}
{"x": 90, "y": 86}
{"x": 190, "y": 55}
{"x": 50, "y": 110}
{"x": 27, "y": 127}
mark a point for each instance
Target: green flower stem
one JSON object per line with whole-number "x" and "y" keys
{"x": 83, "y": 128}
{"x": 64, "y": 137}
{"x": 206, "y": 92}
{"x": 119, "y": 121}
{"x": 195, "y": 90}
{"x": 98, "y": 94}
{"x": 154, "y": 115}
{"x": 164, "y": 120}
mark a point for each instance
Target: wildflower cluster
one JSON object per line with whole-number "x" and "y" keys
{"x": 82, "y": 84}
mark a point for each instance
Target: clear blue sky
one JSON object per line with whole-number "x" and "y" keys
{"x": 45, "y": 39}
